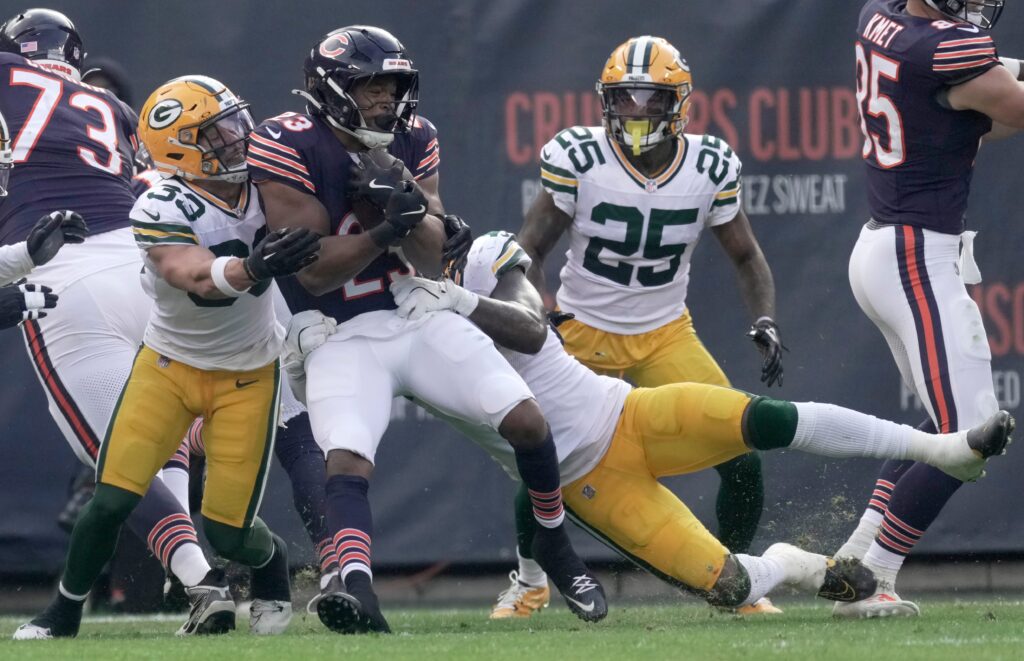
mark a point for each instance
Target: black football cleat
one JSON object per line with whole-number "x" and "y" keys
{"x": 582, "y": 592}
{"x": 61, "y": 619}
{"x": 846, "y": 579}
{"x": 211, "y": 607}
{"x": 344, "y": 612}
{"x": 991, "y": 438}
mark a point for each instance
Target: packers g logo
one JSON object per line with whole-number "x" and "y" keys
{"x": 164, "y": 113}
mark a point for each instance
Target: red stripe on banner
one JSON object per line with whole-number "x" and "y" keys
{"x": 932, "y": 364}
{"x": 256, "y": 137}
{"x": 70, "y": 411}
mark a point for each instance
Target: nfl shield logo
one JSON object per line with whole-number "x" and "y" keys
{"x": 589, "y": 492}
{"x": 163, "y": 361}
{"x": 651, "y": 186}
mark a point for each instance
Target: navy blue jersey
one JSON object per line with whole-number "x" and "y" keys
{"x": 919, "y": 153}
{"x": 73, "y": 149}
{"x": 301, "y": 151}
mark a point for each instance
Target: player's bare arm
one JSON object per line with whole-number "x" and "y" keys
{"x": 513, "y": 316}
{"x": 188, "y": 268}
{"x": 341, "y": 257}
{"x": 995, "y": 93}
{"x": 543, "y": 226}
{"x": 755, "y": 277}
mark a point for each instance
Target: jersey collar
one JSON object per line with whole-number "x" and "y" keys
{"x": 650, "y": 184}
{"x": 238, "y": 211}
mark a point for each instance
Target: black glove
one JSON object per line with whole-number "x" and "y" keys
{"x": 406, "y": 207}
{"x": 51, "y": 232}
{"x": 282, "y": 252}
{"x": 557, "y": 317}
{"x": 458, "y": 241}
{"x": 22, "y": 302}
{"x": 375, "y": 177}
{"x": 765, "y": 334}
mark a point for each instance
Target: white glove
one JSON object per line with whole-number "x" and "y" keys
{"x": 306, "y": 332}
{"x": 416, "y": 297}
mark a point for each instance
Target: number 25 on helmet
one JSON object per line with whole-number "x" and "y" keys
{"x": 196, "y": 128}
{"x": 645, "y": 93}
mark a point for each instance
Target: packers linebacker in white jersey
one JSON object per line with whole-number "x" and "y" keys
{"x": 614, "y": 441}
{"x": 635, "y": 196}
{"x": 210, "y": 349}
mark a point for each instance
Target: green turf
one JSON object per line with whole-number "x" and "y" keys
{"x": 989, "y": 630}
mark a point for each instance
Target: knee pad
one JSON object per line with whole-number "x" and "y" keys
{"x": 112, "y": 504}
{"x": 226, "y": 540}
{"x": 769, "y": 424}
{"x": 730, "y": 591}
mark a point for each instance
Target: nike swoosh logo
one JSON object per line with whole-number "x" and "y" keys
{"x": 586, "y": 608}
{"x": 545, "y": 155}
{"x": 972, "y": 29}
{"x": 276, "y": 135}
{"x": 241, "y": 384}
{"x": 153, "y": 216}
{"x": 415, "y": 212}
{"x": 373, "y": 184}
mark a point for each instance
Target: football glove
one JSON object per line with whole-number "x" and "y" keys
{"x": 416, "y": 297}
{"x": 458, "y": 241}
{"x": 25, "y": 301}
{"x": 282, "y": 252}
{"x": 406, "y": 208}
{"x": 307, "y": 331}
{"x": 765, "y": 334}
{"x": 51, "y": 232}
{"x": 375, "y": 177}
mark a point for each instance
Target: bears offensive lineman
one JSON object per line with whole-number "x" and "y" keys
{"x": 615, "y": 441}
{"x": 361, "y": 93}
{"x": 635, "y": 195}
{"x": 211, "y": 348}
{"x": 930, "y": 86}
{"x": 74, "y": 147}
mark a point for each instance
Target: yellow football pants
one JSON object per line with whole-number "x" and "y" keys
{"x": 670, "y": 354}
{"x": 158, "y": 404}
{"x": 671, "y": 430}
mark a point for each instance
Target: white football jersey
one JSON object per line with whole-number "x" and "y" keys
{"x": 581, "y": 407}
{"x": 213, "y": 334}
{"x": 631, "y": 239}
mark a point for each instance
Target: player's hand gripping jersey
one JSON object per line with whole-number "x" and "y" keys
{"x": 582, "y": 407}
{"x": 632, "y": 237}
{"x": 919, "y": 153}
{"x": 301, "y": 151}
{"x": 80, "y": 141}
{"x": 210, "y": 334}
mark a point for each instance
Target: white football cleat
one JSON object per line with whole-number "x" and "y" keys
{"x": 269, "y": 618}
{"x": 804, "y": 570}
{"x": 883, "y": 603}
{"x": 31, "y": 631}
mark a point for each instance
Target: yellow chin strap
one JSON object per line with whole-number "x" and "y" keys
{"x": 637, "y": 129}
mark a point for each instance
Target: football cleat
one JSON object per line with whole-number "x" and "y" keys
{"x": 212, "y": 608}
{"x": 582, "y": 592}
{"x": 838, "y": 580}
{"x": 520, "y": 599}
{"x": 883, "y": 603}
{"x": 970, "y": 450}
{"x": 762, "y": 606}
{"x": 346, "y": 613}
{"x": 269, "y": 617}
{"x": 61, "y": 619}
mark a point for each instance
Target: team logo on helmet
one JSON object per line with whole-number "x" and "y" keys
{"x": 334, "y": 45}
{"x": 164, "y": 113}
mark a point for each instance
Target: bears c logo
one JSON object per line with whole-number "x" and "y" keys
{"x": 164, "y": 113}
{"x": 334, "y": 45}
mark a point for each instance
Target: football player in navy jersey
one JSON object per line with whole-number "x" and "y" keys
{"x": 73, "y": 147}
{"x": 930, "y": 86}
{"x": 314, "y": 170}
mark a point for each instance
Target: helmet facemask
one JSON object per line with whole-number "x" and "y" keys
{"x": 335, "y": 97}
{"x": 982, "y": 13}
{"x": 222, "y": 140}
{"x": 641, "y": 115}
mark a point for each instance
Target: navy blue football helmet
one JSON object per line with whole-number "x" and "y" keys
{"x": 47, "y": 37}
{"x": 355, "y": 55}
{"x": 983, "y": 13}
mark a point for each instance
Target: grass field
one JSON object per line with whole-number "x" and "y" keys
{"x": 989, "y": 630}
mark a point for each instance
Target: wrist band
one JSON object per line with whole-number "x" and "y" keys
{"x": 220, "y": 280}
{"x": 1012, "y": 65}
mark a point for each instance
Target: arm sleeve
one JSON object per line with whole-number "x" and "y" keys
{"x": 427, "y": 158}
{"x": 558, "y": 176}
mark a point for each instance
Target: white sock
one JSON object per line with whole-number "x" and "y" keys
{"x": 355, "y": 566}
{"x": 177, "y": 481}
{"x": 859, "y": 542}
{"x": 884, "y": 563}
{"x": 72, "y": 597}
{"x": 530, "y": 572}
{"x": 189, "y": 564}
{"x": 765, "y": 575}
{"x": 834, "y": 431}
{"x": 326, "y": 578}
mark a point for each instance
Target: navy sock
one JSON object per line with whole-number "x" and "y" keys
{"x": 351, "y": 522}
{"x": 538, "y": 468}
{"x": 889, "y": 476}
{"x": 920, "y": 494}
{"x": 303, "y": 460}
